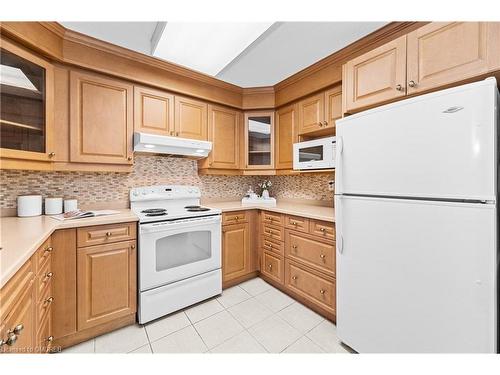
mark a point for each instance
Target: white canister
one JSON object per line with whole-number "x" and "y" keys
{"x": 29, "y": 205}
{"x": 70, "y": 205}
{"x": 53, "y": 206}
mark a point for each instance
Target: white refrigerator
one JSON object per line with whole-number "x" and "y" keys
{"x": 417, "y": 224}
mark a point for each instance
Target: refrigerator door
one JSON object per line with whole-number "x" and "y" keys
{"x": 416, "y": 276}
{"x": 440, "y": 145}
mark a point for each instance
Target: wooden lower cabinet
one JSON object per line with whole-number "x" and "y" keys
{"x": 273, "y": 266}
{"x": 311, "y": 285}
{"x": 106, "y": 283}
{"x": 235, "y": 251}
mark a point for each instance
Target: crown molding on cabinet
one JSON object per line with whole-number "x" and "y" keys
{"x": 65, "y": 46}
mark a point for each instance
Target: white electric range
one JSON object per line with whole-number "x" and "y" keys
{"x": 179, "y": 249}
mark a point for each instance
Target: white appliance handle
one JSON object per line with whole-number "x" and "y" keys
{"x": 338, "y": 166}
{"x": 338, "y": 225}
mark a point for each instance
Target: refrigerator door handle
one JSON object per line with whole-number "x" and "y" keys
{"x": 338, "y": 167}
{"x": 341, "y": 244}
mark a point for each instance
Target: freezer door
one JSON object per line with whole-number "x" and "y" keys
{"x": 416, "y": 277}
{"x": 440, "y": 145}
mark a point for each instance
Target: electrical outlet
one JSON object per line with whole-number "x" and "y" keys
{"x": 331, "y": 185}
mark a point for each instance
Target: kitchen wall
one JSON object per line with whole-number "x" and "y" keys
{"x": 101, "y": 188}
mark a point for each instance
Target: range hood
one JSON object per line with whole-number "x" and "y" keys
{"x": 162, "y": 144}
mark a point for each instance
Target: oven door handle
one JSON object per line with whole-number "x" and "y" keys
{"x": 175, "y": 224}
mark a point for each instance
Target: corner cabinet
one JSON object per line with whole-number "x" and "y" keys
{"x": 101, "y": 119}
{"x": 26, "y": 107}
{"x": 259, "y": 140}
{"x": 224, "y": 128}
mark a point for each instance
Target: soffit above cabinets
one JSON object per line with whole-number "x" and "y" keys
{"x": 247, "y": 54}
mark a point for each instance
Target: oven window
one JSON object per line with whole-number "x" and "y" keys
{"x": 311, "y": 153}
{"x": 183, "y": 248}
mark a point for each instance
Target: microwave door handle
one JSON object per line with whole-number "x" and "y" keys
{"x": 338, "y": 166}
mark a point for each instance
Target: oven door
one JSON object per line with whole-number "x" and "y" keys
{"x": 175, "y": 250}
{"x": 316, "y": 154}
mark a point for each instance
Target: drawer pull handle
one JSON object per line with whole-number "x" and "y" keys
{"x": 48, "y": 275}
{"x": 322, "y": 291}
{"x": 294, "y": 246}
{"x": 11, "y": 340}
{"x": 294, "y": 223}
{"x": 48, "y": 250}
{"x": 50, "y": 338}
{"x": 108, "y": 234}
{"x": 49, "y": 300}
{"x": 322, "y": 230}
{"x": 270, "y": 245}
{"x": 270, "y": 266}
{"x": 132, "y": 247}
{"x": 322, "y": 256}
{"x": 294, "y": 277}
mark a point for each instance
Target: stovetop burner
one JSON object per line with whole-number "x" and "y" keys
{"x": 157, "y": 214}
{"x": 197, "y": 209}
{"x": 154, "y": 211}
{"x": 190, "y": 207}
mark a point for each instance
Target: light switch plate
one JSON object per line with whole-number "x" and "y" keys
{"x": 331, "y": 185}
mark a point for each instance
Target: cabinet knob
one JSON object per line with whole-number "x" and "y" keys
{"x": 172, "y": 132}
{"x": 132, "y": 246}
{"x": 50, "y": 338}
{"x": 399, "y": 88}
{"x": 52, "y": 154}
{"x": 49, "y": 300}
{"x": 11, "y": 340}
{"x": 322, "y": 256}
{"x": 18, "y": 329}
{"x": 270, "y": 266}
{"x": 48, "y": 275}
{"x": 320, "y": 124}
{"x": 294, "y": 277}
{"x": 49, "y": 249}
{"x": 108, "y": 234}
{"x": 322, "y": 230}
{"x": 325, "y": 123}
{"x": 412, "y": 83}
{"x": 294, "y": 247}
{"x": 129, "y": 158}
{"x": 176, "y": 134}
{"x": 294, "y": 223}
{"x": 270, "y": 245}
{"x": 322, "y": 291}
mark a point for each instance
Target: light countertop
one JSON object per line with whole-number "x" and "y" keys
{"x": 312, "y": 211}
{"x": 20, "y": 237}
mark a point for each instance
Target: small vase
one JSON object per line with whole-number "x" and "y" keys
{"x": 265, "y": 194}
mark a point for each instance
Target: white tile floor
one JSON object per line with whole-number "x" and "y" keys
{"x": 252, "y": 317}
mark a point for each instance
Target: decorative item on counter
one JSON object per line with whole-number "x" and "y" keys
{"x": 53, "y": 206}
{"x": 29, "y": 205}
{"x": 70, "y": 205}
{"x": 251, "y": 194}
{"x": 265, "y": 185}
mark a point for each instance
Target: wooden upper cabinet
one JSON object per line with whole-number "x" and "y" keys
{"x": 311, "y": 113}
{"x": 224, "y": 133}
{"x": 236, "y": 256}
{"x": 153, "y": 111}
{"x": 106, "y": 283}
{"x": 100, "y": 119}
{"x": 333, "y": 107}
{"x": 190, "y": 118}
{"x": 440, "y": 53}
{"x": 259, "y": 140}
{"x": 376, "y": 76}
{"x": 286, "y": 136}
{"x": 26, "y": 105}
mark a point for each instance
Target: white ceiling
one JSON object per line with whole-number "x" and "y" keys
{"x": 259, "y": 56}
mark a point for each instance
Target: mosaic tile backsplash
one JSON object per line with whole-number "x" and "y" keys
{"x": 100, "y": 187}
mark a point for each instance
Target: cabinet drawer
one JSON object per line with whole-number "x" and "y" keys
{"x": 297, "y": 223}
{"x": 103, "y": 234}
{"x": 310, "y": 285}
{"x": 314, "y": 253}
{"x": 11, "y": 292}
{"x": 43, "y": 253}
{"x": 44, "y": 336}
{"x": 323, "y": 229}
{"x": 43, "y": 306}
{"x": 272, "y": 266}
{"x": 272, "y": 218}
{"x": 43, "y": 279}
{"x": 272, "y": 245}
{"x": 234, "y": 217}
{"x": 272, "y": 232}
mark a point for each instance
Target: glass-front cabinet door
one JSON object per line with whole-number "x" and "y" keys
{"x": 259, "y": 140}
{"x": 26, "y": 104}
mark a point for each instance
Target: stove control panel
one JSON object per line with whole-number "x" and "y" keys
{"x": 161, "y": 192}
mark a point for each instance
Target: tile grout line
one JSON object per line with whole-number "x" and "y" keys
{"x": 198, "y": 333}
{"x": 149, "y": 341}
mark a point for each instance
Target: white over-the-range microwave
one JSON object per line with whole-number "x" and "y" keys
{"x": 314, "y": 154}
